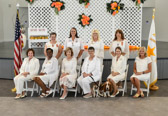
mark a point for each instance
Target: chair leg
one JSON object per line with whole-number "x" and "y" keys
{"x": 32, "y": 93}
{"x": 54, "y": 89}
{"x": 26, "y": 87}
{"x": 131, "y": 88}
{"x": 148, "y": 89}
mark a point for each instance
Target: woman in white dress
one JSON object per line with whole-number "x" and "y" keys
{"x": 76, "y": 44}
{"x": 28, "y": 70}
{"x": 98, "y": 45}
{"x": 142, "y": 69}
{"x": 48, "y": 74}
{"x": 120, "y": 41}
{"x": 90, "y": 72}
{"x": 55, "y": 46}
{"x": 69, "y": 74}
{"x": 118, "y": 68}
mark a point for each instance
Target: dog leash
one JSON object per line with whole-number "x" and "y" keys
{"x": 94, "y": 81}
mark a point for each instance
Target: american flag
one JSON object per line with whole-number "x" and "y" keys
{"x": 17, "y": 45}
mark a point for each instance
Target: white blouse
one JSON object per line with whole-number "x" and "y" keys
{"x": 54, "y": 47}
{"x": 69, "y": 66}
{"x": 120, "y": 65}
{"x": 98, "y": 46}
{"x": 123, "y": 44}
{"x": 142, "y": 64}
{"x": 76, "y": 45}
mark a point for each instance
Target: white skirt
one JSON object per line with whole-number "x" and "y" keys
{"x": 48, "y": 79}
{"x": 142, "y": 77}
{"x": 68, "y": 80}
{"x": 117, "y": 78}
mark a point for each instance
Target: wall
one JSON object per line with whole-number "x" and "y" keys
{"x": 161, "y": 20}
{"x": 1, "y": 23}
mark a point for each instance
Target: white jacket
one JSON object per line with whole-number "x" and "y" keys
{"x": 92, "y": 67}
{"x": 120, "y": 65}
{"x": 34, "y": 66}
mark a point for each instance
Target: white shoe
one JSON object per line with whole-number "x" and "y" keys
{"x": 49, "y": 93}
{"x": 87, "y": 96}
{"x": 115, "y": 94}
{"x": 18, "y": 97}
{"x": 63, "y": 97}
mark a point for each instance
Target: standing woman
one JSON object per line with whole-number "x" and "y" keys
{"x": 28, "y": 70}
{"x": 120, "y": 41}
{"x": 69, "y": 74}
{"x": 118, "y": 68}
{"x": 98, "y": 45}
{"x": 55, "y": 46}
{"x": 142, "y": 69}
{"x": 76, "y": 44}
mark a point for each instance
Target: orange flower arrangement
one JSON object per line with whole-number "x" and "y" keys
{"x": 84, "y": 20}
{"x": 113, "y": 7}
{"x": 86, "y": 2}
{"x": 30, "y": 1}
{"x": 138, "y": 2}
{"x": 58, "y": 5}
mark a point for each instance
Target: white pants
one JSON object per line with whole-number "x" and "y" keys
{"x": 19, "y": 83}
{"x": 85, "y": 84}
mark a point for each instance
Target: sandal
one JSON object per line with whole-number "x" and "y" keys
{"x": 43, "y": 95}
{"x": 136, "y": 95}
{"x": 48, "y": 93}
{"x": 142, "y": 94}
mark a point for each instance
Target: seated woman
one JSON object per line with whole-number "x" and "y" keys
{"x": 28, "y": 70}
{"x": 142, "y": 69}
{"x": 90, "y": 72}
{"x": 48, "y": 74}
{"x": 118, "y": 68}
{"x": 69, "y": 74}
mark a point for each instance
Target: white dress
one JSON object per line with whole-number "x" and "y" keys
{"x": 54, "y": 47}
{"x": 120, "y": 67}
{"x": 69, "y": 66}
{"x": 99, "y": 49}
{"x": 142, "y": 65}
{"x": 76, "y": 45}
{"x": 50, "y": 67}
{"x": 124, "y": 47}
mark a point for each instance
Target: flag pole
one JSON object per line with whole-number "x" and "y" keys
{"x": 17, "y": 6}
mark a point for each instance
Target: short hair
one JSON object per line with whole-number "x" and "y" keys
{"x": 67, "y": 49}
{"x": 120, "y": 32}
{"x": 49, "y": 49}
{"x": 119, "y": 48}
{"x": 144, "y": 51}
{"x": 91, "y": 48}
{"x": 30, "y": 49}
{"x": 53, "y": 33}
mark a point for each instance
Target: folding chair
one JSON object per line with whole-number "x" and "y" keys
{"x": 143, "y": 89}
{"x": 35, "y": 88}
{"x": 76, "y": 88}
{"x": 55, "y": 86}
{"x": 124, "y": 89}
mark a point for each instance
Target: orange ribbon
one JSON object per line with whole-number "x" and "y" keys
{"x": 85, "y": 20}
{"x": 57, "y": 5}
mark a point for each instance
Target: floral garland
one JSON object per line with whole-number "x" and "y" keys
{"x": 84, "y": 20}
{"x": 138, "y": 2}
{"x": 30, "y": 1}
{"x": 57, "y": 5}
{"x": 113, "y": 7}
{"x": 86, "y": 2}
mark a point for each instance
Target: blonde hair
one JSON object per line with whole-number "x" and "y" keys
{"x": 98, "y": 34}
{"x": 144, "y": 51}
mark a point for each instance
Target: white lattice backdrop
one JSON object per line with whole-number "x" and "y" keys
{"x": 129, "y": 20}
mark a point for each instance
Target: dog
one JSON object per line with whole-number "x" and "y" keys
{"x": 105, "y": 89}
{"x": 95, "y": 90}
